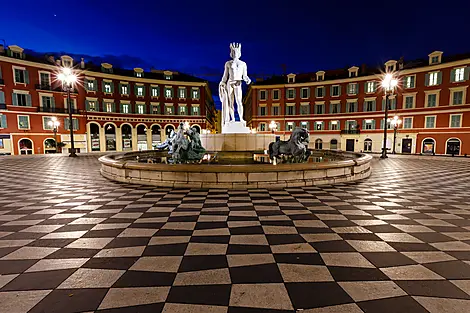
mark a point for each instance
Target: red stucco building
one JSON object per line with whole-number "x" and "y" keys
{"x": 344, "y": 109}
{"x": 113, "y": 109}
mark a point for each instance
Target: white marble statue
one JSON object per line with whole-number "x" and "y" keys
{"x": 230, "y": 87}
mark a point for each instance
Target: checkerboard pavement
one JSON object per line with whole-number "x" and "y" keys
{"x": 72, "y": 241}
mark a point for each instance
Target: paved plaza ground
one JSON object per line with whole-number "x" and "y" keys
{"x": 71, "y": 241}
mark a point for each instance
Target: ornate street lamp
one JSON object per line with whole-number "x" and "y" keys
{"x": 68, "y": 79}
{"x": 54, "y": 124}
{"x": 273, "y": 126}
{"x": 389, "y": 84}
{"x": 395, "y": 122}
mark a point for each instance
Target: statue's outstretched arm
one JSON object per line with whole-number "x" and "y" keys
{"x": 225, "y": 76}
{"x": 245, "y": 75}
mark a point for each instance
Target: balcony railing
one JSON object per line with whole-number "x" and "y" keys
{"x": 43, "y": 87}
{"x": 57, "y": 110}
{"x": 50, "y": 88}
{"x": 3, "y": 106}
{"x": 350, "y": 131}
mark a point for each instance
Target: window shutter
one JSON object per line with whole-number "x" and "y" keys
{"x": 331, "y": 109}
{"x": 75, "y": 124}
{"x": 120, "y": 108}
{"x": 52, "y": 102}
{"x": 14, "y": 99}
{"x": 308, "y": 92}
{"x": 3, "y": 121}
{"x": 66, "y": 123}
{"x": 28, "y": 100}
{"x": 87, "y": 106}
{"x": 467, "y": 73}
{"x": 135, "y": 89}
{"x": 120, "y": 88}
{"x": 113, "y": 107}
{"x": 357, "y": 88}
{"x": 331, "y": 91}
{"x": 364, "y": 106}
{"x": 1, "y": 72}
{"x": 103, "y": 84}
{"x": 363, "y": 124}
{"x": 383, "y": 104}
{"x": 439, "y": 78}
{"x": 2, "y": 97}
{"x": 17, "y": 74}
{"x": 452, "y": 75}
{"x": 426, "y": 80}
{"x": 26, "y": 76}
{"x": 374, "y": 105}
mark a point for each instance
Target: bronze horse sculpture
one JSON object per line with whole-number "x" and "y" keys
{"x": 295, "y": 150}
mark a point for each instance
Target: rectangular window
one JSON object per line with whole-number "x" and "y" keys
{"x": 124, "y": 89}
{"x": 369, "y": 106}
{"x": 335, "y": 108}
{"x": 125, "y": 108}
{"x": 290, "y": 126}
{"x": 410, "y": 82}
{"x": 290, "y": 93}
{"x": 91, "y": 106}
{"x": 21, "y": 99}
{"x": 318, "y": 125}
{"x": 275, "y": 94}
{"x": 90, "y": 85}
{"x": 435, "y": 60}
{"x": 456, "y": 120}
{"x": 67, "y": 123}
{"x": 304, "y": 93}
{"x": 140, "y": 109}
{"x": 196, "y": 94}
{"x": 320, "y": 92}
{"x": 351, "y": 106}
{"x": 169, "y": 110}
{"x": 45, "y": 79}
{"x": 409, "y": 100}
{"x": 275, "y": 110}
{"x": 109, "y": 107}
{"x": 140, "y": 91}
{"x": 182, "y": 110}
{"x": 408, "y": 122}
{"x": 45, "y": 123}
{"x": 182, "y": 93}
{"x": 352, "y": 88}
{"x": 433, "y": 81}
{"x": 457, "y": 97}
{"x": 155, "y": 109}
{"x": 319, "y": 109}
{"x": 370, "y": 87}
{"x": 290, "y": 110}
{"x": 262, "y": 111}
{"x": 430, "y": 122}
{"x": 21, "y": 76}
{"x": 304, "y": 109}
{"x": 432, "y": 100}
{"x": 155, "y": 92}
{"x": 195, "y": 110}
{"x": 335, "y": 91}
{"x": 262, "y": 94}
{"x": 47, "y": 102}
{"x": 23, "y": 122}
{"x": 459, "y": 74}
{"x": 262, "y": 127}
{"x": 168, "y": 92}
{"x": 333, "y": 125}
{"x": 107, "y": 87}
{"x": 368, "y": 124}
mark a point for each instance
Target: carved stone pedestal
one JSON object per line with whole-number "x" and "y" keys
{"x": 235, "y": 128}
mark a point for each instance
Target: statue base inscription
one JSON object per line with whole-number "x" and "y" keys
{"x": 235, "y": 128}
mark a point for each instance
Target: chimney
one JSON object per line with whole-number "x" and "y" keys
{"x": 363, "y": 68}
{"x": 401, "y": 63}
{"x": 82, "y": 64}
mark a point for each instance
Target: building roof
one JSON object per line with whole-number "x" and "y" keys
{"x": 364, "y": 70}
{"x": 50, "y": 58}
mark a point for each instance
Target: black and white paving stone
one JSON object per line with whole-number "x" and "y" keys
{"x": 72, "y": 241}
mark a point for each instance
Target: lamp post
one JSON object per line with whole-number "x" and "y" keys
{"x": 54, "y": 123}
{"x": 389, "y": 83}
{"x": 273, "y": 127}
{"x": 395, "y": 121}
{"x": 68, "y": 78}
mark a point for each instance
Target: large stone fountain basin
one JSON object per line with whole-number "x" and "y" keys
{"x": 243, "y": 176}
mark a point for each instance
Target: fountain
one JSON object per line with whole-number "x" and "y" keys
{"x": 237, "y": 158}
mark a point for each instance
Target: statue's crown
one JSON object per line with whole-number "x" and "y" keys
{"x": 235, "y": 46}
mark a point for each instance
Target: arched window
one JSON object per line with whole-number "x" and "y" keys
{"x": 428, "y": 146}
{"x": 126, "y": 131}
{"x": 168, "y": 130}
{"x": 156, "y": 136}
{"x": 141, "y": 137}
{"x": 110, "y": 134}
{"x": 26, "y": 146}
{"x": 318, "y": 144}
{"x": 95, "y": 137}
{"x": 453, "y": 146}
{"x": 333, "y": 144}
{"x": 49, "y": 145}
{"x": 368, "y": 145}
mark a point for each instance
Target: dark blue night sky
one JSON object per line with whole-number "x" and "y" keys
{"x": 193, "y": 36}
